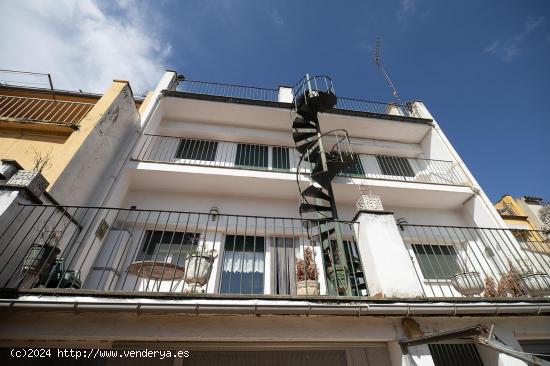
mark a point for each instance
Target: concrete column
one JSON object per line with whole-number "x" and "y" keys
{"x": 388, "y": 267}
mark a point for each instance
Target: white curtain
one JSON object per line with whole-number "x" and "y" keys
{"x": 244, "y": 262}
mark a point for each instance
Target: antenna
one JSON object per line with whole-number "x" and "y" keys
{"x": 378, "y": 61}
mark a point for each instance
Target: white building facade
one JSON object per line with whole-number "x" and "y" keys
{"x": 246, "y": 228}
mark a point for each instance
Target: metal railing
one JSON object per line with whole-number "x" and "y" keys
{"x": 272, "y": 95}
{"x": 229, "y": 154}
{"x": 394, "y": 109}
{"x": 228, "y": 90}
{"x": 43, "y": 110}
{"x": 454, "y": 261}
{"x": 128, "y": 250}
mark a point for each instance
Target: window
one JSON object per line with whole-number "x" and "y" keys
{"x": 197, "y": 149}
{"x": 243, "y": 265}
{"x": 280, "y": 158}
{"x": 283, "y": 265}
{"x": 355, "y": 169}
{"x": 455, "y": 354}
{"x": 437, "y": 262}
{"x": 167, "y": 246}
{"x": 393, "y": 165}
{"x": 251, "y": 156}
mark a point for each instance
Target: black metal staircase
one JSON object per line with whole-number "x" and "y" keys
{"x": 314, "y": 95}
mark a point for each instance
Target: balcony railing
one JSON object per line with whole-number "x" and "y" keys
{"x": 43, "y": 110}
{"x": 129, "y": 250}
{"x": 235, "y": 155}
{"x": 467, "y": 261}
{"x": 60, "y": 249}
{"x": 272, "y": 95}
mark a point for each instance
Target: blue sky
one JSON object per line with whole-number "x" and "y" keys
{"x": 482, "y": 67}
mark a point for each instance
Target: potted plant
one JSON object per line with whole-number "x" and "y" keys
{"x": 307, "y": 274}
{"x": 467, "y": 282}
{"x": 533, "y": 282}
{"x": 198, "y": 265}
{"x": 41, "y": 260}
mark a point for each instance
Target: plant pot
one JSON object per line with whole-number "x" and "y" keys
{"x": 535, "y": 284}
{"x": 197, "y": 269}
{"x": 468, "y": 283}
{"x": 307, "y": 287}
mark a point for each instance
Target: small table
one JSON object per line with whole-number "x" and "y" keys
{"x": 157, "y": 270}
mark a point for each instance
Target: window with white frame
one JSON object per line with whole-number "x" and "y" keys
{"x": 394, "y": 165}
{"x": 243, "y": 265}
{"x": 280, "y": 159}
{"x": 167, "y": 246}
{"x": 252, "y": 156}
{"x": 436, "y": 262}
{"x": 197, "y": 149}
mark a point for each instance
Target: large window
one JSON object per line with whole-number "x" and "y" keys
{"x": 167, "y": 246}
{"x": 280, "y": 158}
{"x": 455, "y": 354}
{"x": 197, "y": 149}
{"x": 251, "y": 156}
{"x": 355, "y": 169}
{"x": 393, "y": 165}
{"x": 437, "y": 262}
{"x": 243, "y": 265}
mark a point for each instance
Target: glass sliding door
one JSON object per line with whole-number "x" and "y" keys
{"x": 283, "y": 265}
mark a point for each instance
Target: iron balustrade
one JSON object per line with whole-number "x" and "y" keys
{"x": 43, "y": 110}
{"x": 452, "y": 261}
{"x": 241, "y": 155}
{"x": 228, "y": 90}
{"x": 272, "y": 95}
{"x": 129, "y": 250}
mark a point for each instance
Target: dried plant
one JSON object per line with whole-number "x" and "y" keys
{"x": 509, "y": 284}
{"x": 41, "y": 160}
{"x": 490, "y": 287}
{"x": 306, "y": 269}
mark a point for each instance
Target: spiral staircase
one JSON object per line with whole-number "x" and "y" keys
{"x": 326, "y": 154}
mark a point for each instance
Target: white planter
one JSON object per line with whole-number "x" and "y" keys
{"x": 468, "y": 283}
{"x": 535, "y": 284}
{"x": 309, "y": 288}
{"x": 197, "y": 268}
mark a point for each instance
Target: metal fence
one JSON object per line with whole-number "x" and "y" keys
{"x": 454, "y": 261}
{"x": 228, "y": 90}
{"x": 129, "y": 250}
{"x": 272, "y": 95}
{"x": 43, "y": 110}
{"x": 240, "y": 155}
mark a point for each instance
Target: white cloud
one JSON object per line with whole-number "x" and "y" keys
{"x": 82, "y": 44}
{"x": 509, "y": 50}
{"x": 277, "y": 18}
{"x": 406, "y": 9}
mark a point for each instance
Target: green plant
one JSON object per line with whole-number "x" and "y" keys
{"x": 306, "y": 269}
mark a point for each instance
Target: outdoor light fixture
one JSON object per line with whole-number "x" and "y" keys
{"x": 214, "y": 212}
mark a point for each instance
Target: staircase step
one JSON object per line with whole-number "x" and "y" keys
{"x": 301, "y": 136}
{"x": 308, "y": 207}
{"x": 326, "y": 234}
{"x": 303, "y": 123}
{"x": 315, "y": 192}
{"x": 323, "y": 178}
{"x": 303, "y": 148}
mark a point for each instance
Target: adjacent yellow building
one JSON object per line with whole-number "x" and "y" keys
{"x": 68, "y": 136}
